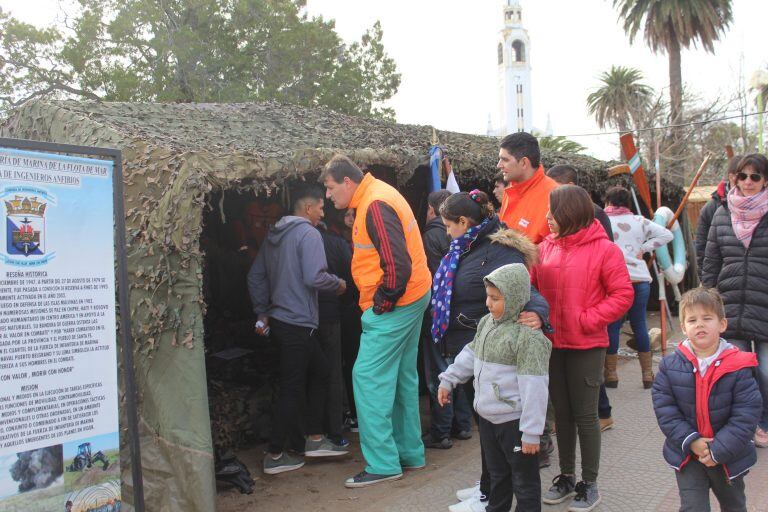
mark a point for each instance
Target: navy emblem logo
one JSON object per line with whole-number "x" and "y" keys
{"x": 25, "y": 226}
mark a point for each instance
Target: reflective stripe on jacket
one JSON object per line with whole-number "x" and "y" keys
{"x": 372, "y": 266}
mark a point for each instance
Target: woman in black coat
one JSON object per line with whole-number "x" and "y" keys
{"x": 491, "y": 246}
{"x": 736, "y": 263}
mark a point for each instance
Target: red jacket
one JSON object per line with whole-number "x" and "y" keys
{"x": 585, "y": 280}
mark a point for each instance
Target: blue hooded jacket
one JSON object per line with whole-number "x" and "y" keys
{"x": 728, "y": 390}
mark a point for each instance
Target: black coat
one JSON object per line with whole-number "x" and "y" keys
{"x": 719, "y": 198}
{"x": 495, "y": 247}
{"x": 436, "y": 242}
{"x": 740, "y": 275}
{"x": 338, "y": 254}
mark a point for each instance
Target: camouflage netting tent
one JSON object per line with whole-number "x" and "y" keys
{"x": 175, "y": 156}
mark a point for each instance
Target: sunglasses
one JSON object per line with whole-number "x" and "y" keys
{"x": 754, "y": 177}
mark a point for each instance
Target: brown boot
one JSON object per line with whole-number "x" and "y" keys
{"x": 646, "y": 366}
{"x": 609, "y": 371}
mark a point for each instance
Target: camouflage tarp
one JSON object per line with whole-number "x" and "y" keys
{"x": 173, "y": 156}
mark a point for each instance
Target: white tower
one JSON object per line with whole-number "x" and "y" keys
{"x": 514, "y": 61}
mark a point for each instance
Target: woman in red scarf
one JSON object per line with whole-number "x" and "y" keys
{"x": 736, "y": 262}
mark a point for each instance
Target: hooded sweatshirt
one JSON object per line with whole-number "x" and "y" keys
{"x": 510, "y": 361}
{"x": 288, "y": 272}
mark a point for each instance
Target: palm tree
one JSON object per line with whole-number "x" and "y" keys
{"x": 621, "y": 98}
{"x": 560, "y": 144}
{"x": 669, "y": 25}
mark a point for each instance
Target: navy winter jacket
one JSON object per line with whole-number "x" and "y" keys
{"x": 494, "y": 247}
{"x": 734, "y": 404}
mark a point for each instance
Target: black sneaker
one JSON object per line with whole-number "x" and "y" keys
{"x": 544, "y": 461}
{"x": 586, "y": 498}
{"x": 364, "y": 479}
{"x": 563, "y": 487}
{"x": 462, "y": 435}
{"x": 350, "y": 424}
{"x": 441, "y": 444}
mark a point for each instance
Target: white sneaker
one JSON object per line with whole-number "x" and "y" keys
{"x": 469, "y": 492}
{"x": 470, "y": 505}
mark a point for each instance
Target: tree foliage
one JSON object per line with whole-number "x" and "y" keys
{"x": 560, "y": 143}
{"x": 621, "y": 100}
{"x": 197, "y": 51}
{"x": 668, "y": 26}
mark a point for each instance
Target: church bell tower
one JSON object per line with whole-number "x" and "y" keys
{"x": 514, "y": 65}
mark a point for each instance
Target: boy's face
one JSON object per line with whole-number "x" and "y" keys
{"x": 494, "y": 301}
{"x": 703, "y": 327}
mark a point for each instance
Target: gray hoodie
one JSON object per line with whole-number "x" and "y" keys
{"x": 510, "y": 361}
{"x": 288, "y": 272}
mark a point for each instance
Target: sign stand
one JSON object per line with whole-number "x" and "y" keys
{"x": 126, "y": 338}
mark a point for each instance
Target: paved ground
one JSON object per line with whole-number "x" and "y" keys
{"x": 633, "y": 475}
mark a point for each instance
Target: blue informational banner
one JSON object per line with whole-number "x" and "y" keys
{"x": 59, "y": 442}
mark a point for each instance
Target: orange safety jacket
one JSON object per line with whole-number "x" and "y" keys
{"x": 524, "y": 205}
{"x": 376, "y": 260}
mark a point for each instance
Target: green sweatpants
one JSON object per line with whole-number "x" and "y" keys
{"x": 386, "y": 386}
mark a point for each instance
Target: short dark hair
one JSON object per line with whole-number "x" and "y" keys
{"x": 757, "y": 161}
{"x": 499, "y": 178}
{"x": 340, "y": 167}
{"x": 618, "y": 196}
{"x": 475, "y": 206}
{"x": 572, "y": 209}
{"x": 564, "y": 174}
{"x": 707, "y": 298}
{"x": 305, "y": 193}
{"x": 437, "y": 198}
{"x": 522, "y": 144}
{"x": 733, "y": 164}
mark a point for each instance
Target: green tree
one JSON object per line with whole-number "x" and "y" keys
{"x": 197, "y": 50}
{"x": 669, "y": 26}
{"x": 621, "y": 100}
{"x": 560, "y": 143}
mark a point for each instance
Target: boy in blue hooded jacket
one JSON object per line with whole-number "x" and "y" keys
{"x": 707, "y": 404}
{"x": 510, "y": 363}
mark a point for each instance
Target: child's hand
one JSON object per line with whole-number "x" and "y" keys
{"x": 530, "y": 448}
{"x": 443, "y": 396}
{"x": 707, "y": 460}
{"x": 700, "y": 448}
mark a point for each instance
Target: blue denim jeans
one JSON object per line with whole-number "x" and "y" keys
{"x": 636, "y": 320}
{"x": 457, "y": 415}
{"x": 761, "y": 373}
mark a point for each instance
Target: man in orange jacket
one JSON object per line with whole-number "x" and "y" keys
{"x": 390, "y": 269}
{"x": 526, "y": 199}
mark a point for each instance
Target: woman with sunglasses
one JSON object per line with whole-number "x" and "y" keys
{"x": 736, "y": 262}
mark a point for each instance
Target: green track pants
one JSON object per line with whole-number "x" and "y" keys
{"x": 386, "y": 386}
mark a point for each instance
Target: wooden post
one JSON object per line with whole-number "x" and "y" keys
{"x": 659, "y": 275}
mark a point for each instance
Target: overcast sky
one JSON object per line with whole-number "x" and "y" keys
{"x": 446, "y": 52}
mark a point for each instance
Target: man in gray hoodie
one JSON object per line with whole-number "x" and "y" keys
{"x": 283, "y": 283}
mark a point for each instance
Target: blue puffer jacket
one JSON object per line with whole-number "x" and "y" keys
{"x": 733, "y": 400}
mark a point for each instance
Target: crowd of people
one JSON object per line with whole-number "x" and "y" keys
{"x": 527, "y": 304}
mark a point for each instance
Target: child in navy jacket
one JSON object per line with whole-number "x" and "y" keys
{"x": 707, "y": 404}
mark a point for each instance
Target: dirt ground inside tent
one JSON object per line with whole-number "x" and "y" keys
{"x": 633, "y": 476}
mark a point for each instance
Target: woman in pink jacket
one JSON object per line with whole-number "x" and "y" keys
{"x": 583, "y": 276}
